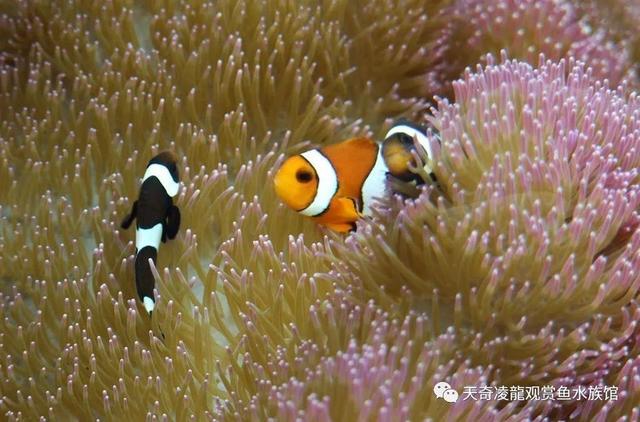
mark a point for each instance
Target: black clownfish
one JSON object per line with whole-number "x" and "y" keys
{"x": 157, "y": 220}
{"x": 336, "y": 184}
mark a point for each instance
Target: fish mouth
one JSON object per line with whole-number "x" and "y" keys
{"x": 277, "y": 182}
{"x": 279, "y": 187}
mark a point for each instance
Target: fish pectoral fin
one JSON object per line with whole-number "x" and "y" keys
{"x": 343, "y": 214}
{"x": 346, "y": 209}
{"x": 129, "y": 218}
{"x": 357, "y": 206}
{"x": 173, "y": 222}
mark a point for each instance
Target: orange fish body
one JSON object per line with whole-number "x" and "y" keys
{"x": 337, "y": 184}
{"x": 334, "y": 185}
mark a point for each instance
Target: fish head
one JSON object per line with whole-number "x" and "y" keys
{"x": 170, "y": 161}
{"x": 296, "y": 182}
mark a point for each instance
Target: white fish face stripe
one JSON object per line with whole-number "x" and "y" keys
{"x": 163, "y": 175}
{"x": 149, "y": 237}
{"x": 149, "y": 304}
{"x": 327, "y": 183}
{"x": 414, "y": 133}
{"x": 374, "y": 185}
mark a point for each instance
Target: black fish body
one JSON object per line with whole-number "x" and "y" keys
{"x": 157, "y": 218}
{"x": 153, "y": 203}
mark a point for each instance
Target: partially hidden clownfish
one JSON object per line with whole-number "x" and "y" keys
{"x": 336, "y": 184}
{"x": 398, "y": 147}
{"x": 157, "y": 219}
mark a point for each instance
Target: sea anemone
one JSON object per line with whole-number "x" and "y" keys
{"x": 529, "y": 242}
{"x": 259, "y": 313}
{"x": 525, "y": 29}
{"x": 89, "y": 92}
{"x": 618, "y": 18}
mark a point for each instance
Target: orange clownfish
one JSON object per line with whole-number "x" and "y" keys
{"x": 336, "y": 184}
{"x": 397, "y": 151}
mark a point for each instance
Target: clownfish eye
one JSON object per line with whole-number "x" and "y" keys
{"x": 303, "y": 176}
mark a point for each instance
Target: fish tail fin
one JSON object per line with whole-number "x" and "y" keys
{"x": 145, "y": 282}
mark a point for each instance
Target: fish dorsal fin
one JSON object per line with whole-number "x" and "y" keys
{"x": 353, "y": 160}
